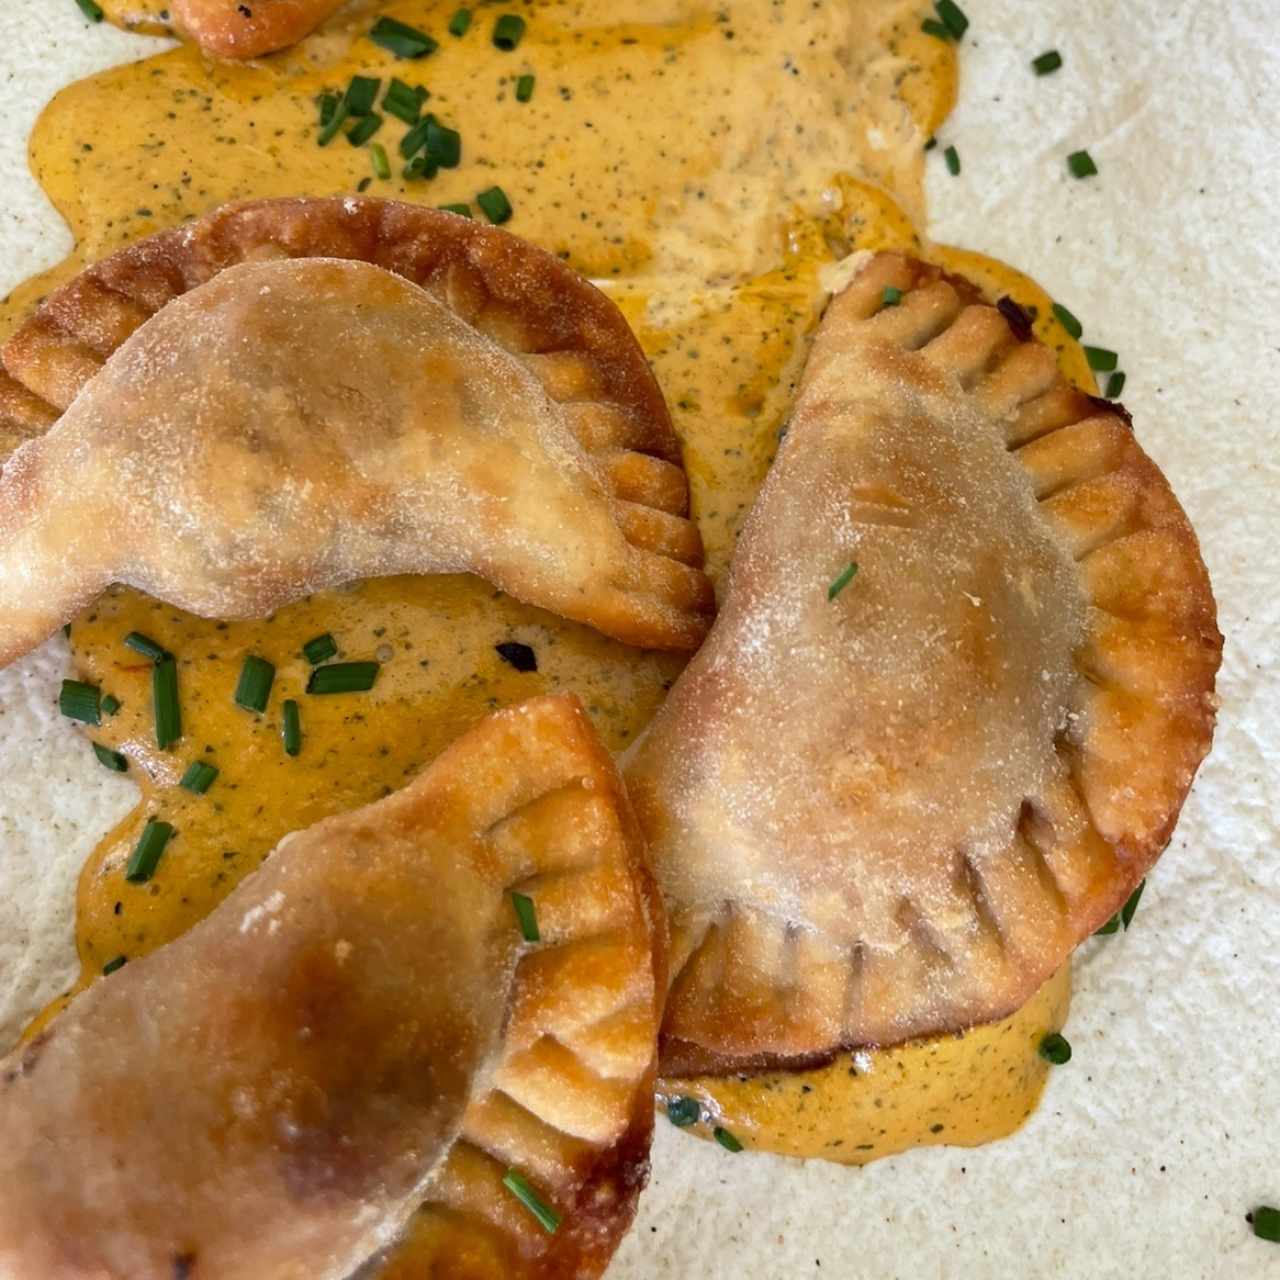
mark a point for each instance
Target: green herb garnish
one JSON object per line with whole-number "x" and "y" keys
{"x": 364, "y": 129}
{"x": 524, "y": 88}
{"x": 444, "y": 145}
{"x": 1068, "y": 321}
{"x": 952, "y": 157}
{"x": 1055, "y": 1048}
{"x": 164, "y": 703}
{"x": 336, "y": 121}
{"x": 419, "y": 167}
{"x": 1266, "y": 1223}
{"x": 460, "y": 23}
{"x": 1112, "y": 926}
{"x": 404, "y": 101}
{"x": 328, "y": 105}
{"x": 508, "y": 31}
{"x": 199, "y": 777}
{"x": 402, "y": 40}
{"x": 527, "y": 916}
{"x": 496, "y": 206}
{"x": 462, "y": 210}
{"x": 891, "y": 296}
{"x": 291, "y": 731}
{"x": 254, "y": 686}
{"x": 518, "y": 1185}
{"x": 378, "y": 158}
{"x": 109, "y": 759}
{"x": 320, "y": 649}
{"x": 80, "y": 701}
{"x": 112, "y": 965}
{"x": 1047, "y": 63}
{"x": 726, "y": 1140}
{"x": 1115, "y": 384}
{"x": 361, "y": 94}
{"x": 1081, "y": 164}
{"x": 416, "y": 138}
{"x": 682, "y": 1112}
{"x": 932, "y": 27}
{"x": 1130, "y": 908}
{"x": 91, "y": 10}
{"x": 842, "y": 580}
{"x": 144, "y": 645}
{"x": 344, "y": 677}
{"x": 953, "y": 16}
{"x": 146, "y": 853}
{"x": 110, "y": 704}
{"x": 1100, "y": 359}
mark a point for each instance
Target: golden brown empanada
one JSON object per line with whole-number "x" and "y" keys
{"x": 294, "y": 422}
{"x": 887, "y": 801}
{"x": 249, "y": 28}
{"x": 360, "y": 1027}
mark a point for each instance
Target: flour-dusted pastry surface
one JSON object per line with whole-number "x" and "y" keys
{"x": 960, "y": 684}
{"x": 292, "y": 425}
{"x": 365, "y": 1024}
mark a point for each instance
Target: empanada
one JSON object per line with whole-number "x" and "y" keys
{"x": 362, "y": 1026}
{"x": 261, "y": 431}
{"x": 961, "y": 680}
{"x": 249, "y": 28}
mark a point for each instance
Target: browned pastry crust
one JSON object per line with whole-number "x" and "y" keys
{"x": 358, "y": 1028}
{"x": 896, "y": 811}
{"x": 551, "y": 326}
{"x": 236, "y": 29}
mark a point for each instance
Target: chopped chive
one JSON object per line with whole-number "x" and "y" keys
{"x": 1067, "y": 321}
{"x": 109, "y": 759}
{"x": 199, "y": 777}
{"x": 726, "y": 1139}
{"x": 1047, "y": 63}
{"x": 80, "y": 701}
{"x": 91, "y": 10}
{"x": 462, "y": 210}
{"x": 1055, "y": 1048}
{"x": 1115, "y": 384}
{"x": 1266, "y": 1223}
{"x": 444, "y": 145}
{"x": 419, "y": 167}
{"x": 361, "y": 94}
{"x": 344, "y": 677}
{"x": 957, "y": 23}
{"x": 146, "y": 853}
{"x": 164, "y": 702}
{"x": 416, "y": 138}
{"x": 460, "y": 23}
{"x": 527, "y": 917}
{"x": 952, "y": 157}
{"x": 1081, "y": 164}
{"x": 254, "y": 686}
{"x": 518, "y": 1185}
{"x": 891, "y": 296}
{"x": 508, "y": 31}
{"x": 404, "y": 101}
{"x": 110, "y": 704}
{"x": 521, "y": 656}
{"x": 364, "y": 129}
{"x": 524, "y": 88}
{"x": 291, "y": 731}
{"x": 112, "y": 965}
{"x": 932, "y": 27}
{"x": 378, "y": 158}
{"x": 144, "y": 645}
{"x": 402, "y": 40}
{"x": 932, "y": 142}
{"x": 1112, "y": 926}
{"x": 336, "y": 121}
{"x": 320, "y": 649}
{"x": 1130, "y": 908}
{"x": 1100, "y": 359}
{"x": 842, "y": 580}
{"x": 496, "y": 206}
{"x": 328, "y": 105}
{"x": 682, "y": 1112}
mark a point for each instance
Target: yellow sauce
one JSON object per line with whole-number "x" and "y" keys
{"x": 703, "y": 164}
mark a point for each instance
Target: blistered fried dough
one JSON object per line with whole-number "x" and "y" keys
{"x": 890, "y": 804}
{"x": 290, "y": 425}
{"x": 249, "y": 28}
{"x": 359, "y": 1028}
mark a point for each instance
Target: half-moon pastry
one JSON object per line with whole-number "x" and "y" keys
{"x": 235, "y": 29}
{"x": 404, "y": 1004}
{"x": 238, "y": 434}
{"x": 960, "y": 683}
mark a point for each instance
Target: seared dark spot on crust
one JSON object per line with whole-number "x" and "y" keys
{"x": 1112, "y": 406}
{"x": 184, "y": 1266}
{"x": 1017, "y": 317}
{"x": 520, "y": 656}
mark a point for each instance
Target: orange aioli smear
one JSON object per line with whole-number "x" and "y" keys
{"x": 649, "y": 160}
